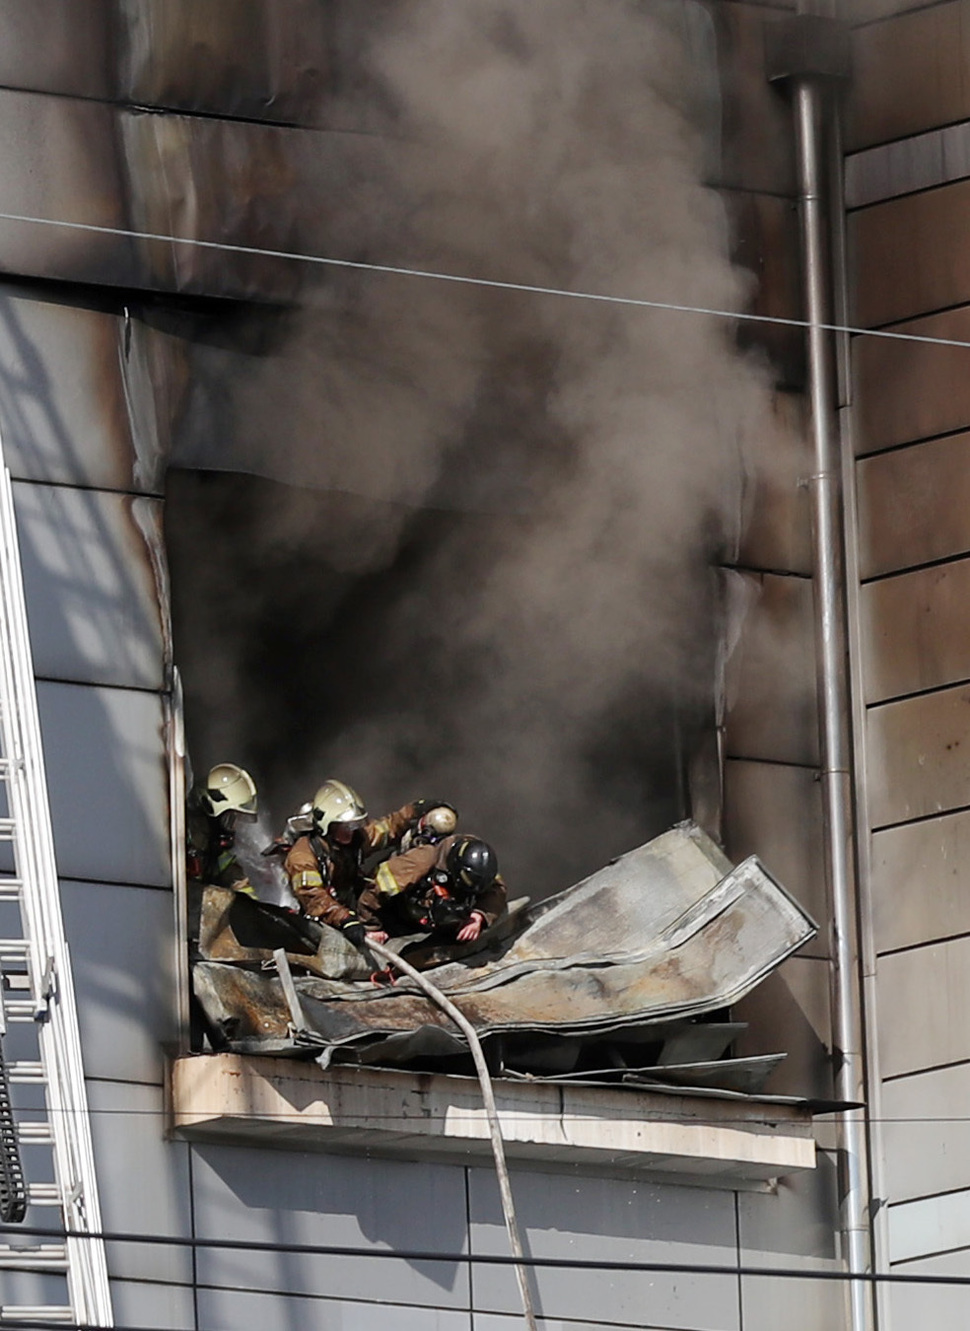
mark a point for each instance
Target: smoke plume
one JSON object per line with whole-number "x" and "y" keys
{"x": 478, "y": 565}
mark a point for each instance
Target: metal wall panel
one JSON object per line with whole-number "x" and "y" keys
{"x": 108, "y": 782}
{"x": 775, "y": 812}
{"x": 92, "y": 563}
{"x": 257, "y": 58}
{"x": 938, "y": 1307}
{"x": 920, "y": 162}
{"x": 137, "y": 1303}
{"x": 67, "y": 377}
{"x": 59, "y": 161}
{"x": 318, "y": 1199}
{"x": 866, "y": 11}
{"x": 233, "y": 1309}
{"x": 770, "y": 675}
{"x": 909, "y": 390}
{"x": 921, "y": 240}
{"x": 143, "y": 1181}
{"x": 919, "y": 874}
{"x": 758, "y": 148}
{"x": 50, "y": 46}
{"x": 926, "y": 1133}
{"x": 915, "y": 632}
{"x": 930, "y": 1225}
{"x": 775, "y": 519}
{"x": 910, "y": 74}
{"x": 562, "y": 1216}
{"x": 795, "y": 1226}
{"x": 914, "y": 505}
{"x": 922, "y": 997}
{"x": 917, "y": 756}
{"x": 123, "y": 977}
{"x": 789, "y": 1013}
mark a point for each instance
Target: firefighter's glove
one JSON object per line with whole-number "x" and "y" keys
{"x": 353, "y": 931}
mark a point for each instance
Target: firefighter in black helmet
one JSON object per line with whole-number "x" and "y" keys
{"x": 452, "y": 888}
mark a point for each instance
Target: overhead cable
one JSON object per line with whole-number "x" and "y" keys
{"x": 498, "y": 1259}
{"x": 528, "y": 288}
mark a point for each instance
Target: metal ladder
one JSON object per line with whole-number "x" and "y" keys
{"x": 44, "y": 1116}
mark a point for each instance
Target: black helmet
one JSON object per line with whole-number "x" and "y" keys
{"x": 472, "y": 865}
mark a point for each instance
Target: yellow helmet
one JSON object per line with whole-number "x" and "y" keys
{"x": 228, "y": 789}
{"x": 336, "y": 802}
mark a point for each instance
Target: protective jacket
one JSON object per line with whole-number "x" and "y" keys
{"x": 210, "y": 853}
{"x": 325, "y": 877}
{"x": 401, "y": 896}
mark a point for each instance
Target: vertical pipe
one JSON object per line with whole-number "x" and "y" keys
{"x": 833, "y": 695}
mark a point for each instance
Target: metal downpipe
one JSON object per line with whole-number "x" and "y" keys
{"x": 833, "y": 697}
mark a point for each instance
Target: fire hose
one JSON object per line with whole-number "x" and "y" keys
{"x": 488, "y": 1096}
{"x": 13, "y": 1188}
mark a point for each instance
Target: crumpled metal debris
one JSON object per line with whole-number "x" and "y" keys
{"x": 626, "y": 961}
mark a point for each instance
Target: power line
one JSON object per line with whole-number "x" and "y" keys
{"x": 486, "y": 282}
{"x": 490, "y": 1259}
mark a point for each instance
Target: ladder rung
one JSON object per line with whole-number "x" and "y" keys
{"x": 26, "y": 1071}
{"x": 44, "y": 1194}
{"x": 35, "y": 1132}
{"x": 36, "y": 1312}
{"x": 11, "y": 888}
{"x": 14, "y": 947}
{"x": 8, "y": 829}
{"x": 20, "y": 1009}
{"x": 34, "y": 1257}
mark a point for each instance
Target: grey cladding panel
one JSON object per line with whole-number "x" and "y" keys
{"x": 143, "y": 1181}
{"x": 123, "y": 977}
{"x": 794, "y": 1226}
{"x": 911, "y": 390}
{"x": 915, "y": 631}
{"x": 91, "y": 567}
{"x": 931, "y": 1225}
{"x": 106, "y": 773}
{"x": 918, "y": 756}
{"x": 923, "y": 997}
{"x": 149, "y": 1307}
{"x": 790, "y": 1012}
{"x": 253, "y": 58}
{"x": 914, "y": 505}
{"x": 926, "y": 1133}
{"x": 62, "y": 397}
{"x": 59, "y": 161}
{"x": 49, "y": 46}
{"x": 933, "y": 1307}
{"x": 908, "y": 75}
{"x": 920, "y": 881}
{"x": 238, "y": 1309}
{"x": 564, "y": 1216}
{"x": 775, "y": 812}
{"x": 936, "y": 158}
{"x": 770, "y": 679}
{"x": 921, "y": 241}
{"x": 286, "y": 1197}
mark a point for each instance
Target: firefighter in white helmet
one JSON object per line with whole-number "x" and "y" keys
{"x": 325, "y": 846}
{"x": 227, "y": 794}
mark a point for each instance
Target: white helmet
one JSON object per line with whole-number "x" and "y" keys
{"x": 228, "y": 789}
{"x": 336, "y": 802}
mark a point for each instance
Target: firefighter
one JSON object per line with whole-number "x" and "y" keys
{"x": 451, "y": 887}
{"x": 213, "y": 807}
{"x": 324, "y": 847}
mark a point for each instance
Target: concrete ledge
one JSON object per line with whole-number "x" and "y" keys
{"x": 294, "y": 1105}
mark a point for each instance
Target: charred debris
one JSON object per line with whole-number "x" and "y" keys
{"x": 626, "y": 978}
